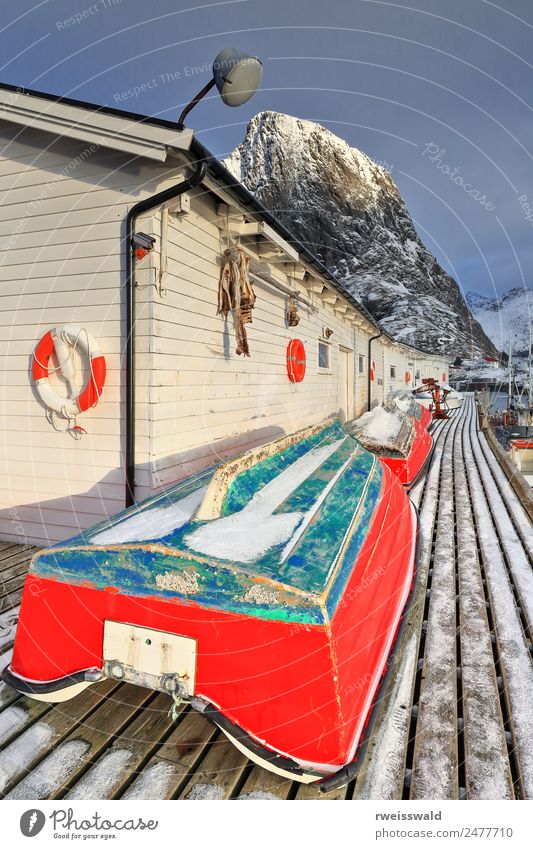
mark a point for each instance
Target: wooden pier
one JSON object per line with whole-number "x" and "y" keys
{"x": 454, "y": 721}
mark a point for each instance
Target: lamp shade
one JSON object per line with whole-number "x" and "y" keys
{"x": 237, "y": 76}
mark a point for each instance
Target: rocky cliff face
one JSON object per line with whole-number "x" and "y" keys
{"x": 350, "y": 214}
{"x": 500, "y": 316}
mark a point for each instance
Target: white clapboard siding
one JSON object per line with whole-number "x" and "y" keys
{"x": 62, "y": 262}
{"x": 34, "y": 489}
{"x": 220, "y": 398}
{"x": 217, "y": 396}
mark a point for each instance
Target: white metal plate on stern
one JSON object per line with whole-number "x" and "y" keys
{"x": 151, "y": 653}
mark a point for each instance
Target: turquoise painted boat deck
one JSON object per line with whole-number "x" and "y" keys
{"x": 284, "y": 546}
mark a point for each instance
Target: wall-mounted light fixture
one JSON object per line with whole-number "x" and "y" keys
{"x": 142, "y": 245}
{"x": 236, "y": 75}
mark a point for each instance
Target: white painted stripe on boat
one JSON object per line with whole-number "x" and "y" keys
{"x": 152, "y": 523}
{"x": 248, "y": 534}
{"x": 312, "y": 512}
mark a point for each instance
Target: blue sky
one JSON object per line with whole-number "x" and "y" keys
{"x": 440, "y": 91}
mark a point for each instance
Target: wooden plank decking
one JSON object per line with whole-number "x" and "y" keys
{"x": 455, "y": 719}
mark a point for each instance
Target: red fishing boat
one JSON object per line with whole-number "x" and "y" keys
{"x": 401, "y": 441}
{"x": 413, "y": 408}
{"x": 267, "y": 593}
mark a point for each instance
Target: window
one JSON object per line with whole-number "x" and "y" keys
{"x": 417, "y": 375}
{"x": 393, "y": 371}
{"x": 361, "y": 364}
{"x": 323, "y": 355}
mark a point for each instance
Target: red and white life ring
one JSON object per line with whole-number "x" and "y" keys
{"x": 373, "y": 370}
{"x": 444, "y": 377}
{"x": 296, "y": 360}
{"x": 62, "y": 340}
{"x": 407, "y": 377}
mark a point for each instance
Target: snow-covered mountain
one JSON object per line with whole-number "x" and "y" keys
{"x": 497, "y": 316}
{"x": 350, "y": 214}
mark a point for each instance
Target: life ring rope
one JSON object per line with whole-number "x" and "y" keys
{"x": 57, "y": 405}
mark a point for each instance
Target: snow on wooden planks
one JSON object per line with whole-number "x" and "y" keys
{"x": 434, "y": 773}
{"x": 515, "y": 658}
{"x": 487, "y": 773}
{"x": 382, "y": 773}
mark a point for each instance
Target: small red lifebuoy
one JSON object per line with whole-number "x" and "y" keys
{"x": 59, "y": 340}
{"x": 296, "y": 360}
{"x": 407, "y": 377}
{"x": 373, "y": 370}
{"x": 444, "y": 377}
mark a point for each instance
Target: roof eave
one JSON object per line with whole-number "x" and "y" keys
{"x": 101, "y": 128}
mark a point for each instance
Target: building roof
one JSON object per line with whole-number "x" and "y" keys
{"x": 86, "y": 122}
{"x": 154, "y": 138}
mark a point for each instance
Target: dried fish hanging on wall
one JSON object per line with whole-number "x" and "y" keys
{"x": 235, "y": 293}
{"x": 293, "y": 317}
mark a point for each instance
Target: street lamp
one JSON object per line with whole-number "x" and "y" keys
{"x": 236, "y": 75}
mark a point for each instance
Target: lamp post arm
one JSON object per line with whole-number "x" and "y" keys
{"x": 194, "y": 101}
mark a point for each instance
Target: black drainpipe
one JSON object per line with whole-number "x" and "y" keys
{"x": 143, "y": 206}
{"x": 370, "y": 363}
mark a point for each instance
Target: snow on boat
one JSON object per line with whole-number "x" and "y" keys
{"x": 268, "y": 593}
{"x": 411, "y": 407}
{"x": 400, "y": 441}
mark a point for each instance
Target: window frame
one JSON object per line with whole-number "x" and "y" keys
{"x": 327, "y": 347}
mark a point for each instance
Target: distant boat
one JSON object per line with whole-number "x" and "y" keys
{"x": 266, "y": 593}
{"x": 513, "y": 426}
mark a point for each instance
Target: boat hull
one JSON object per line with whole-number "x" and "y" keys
{"x": 408, "y": 469}
{"x": 299, "y": 686}
{"x": 425, "y": 416}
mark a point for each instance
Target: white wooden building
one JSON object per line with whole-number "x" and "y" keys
{"x": 70, "y": 172}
